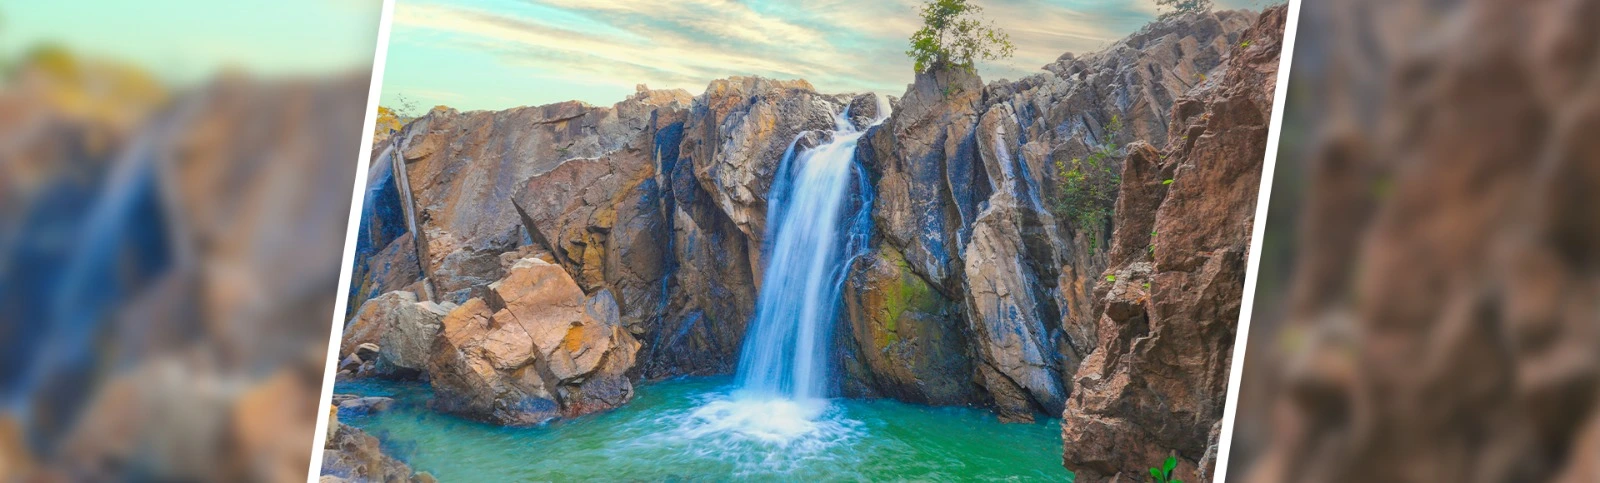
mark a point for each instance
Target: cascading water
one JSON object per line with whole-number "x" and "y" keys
{"x": 781, "y": 385}
{"x": 785, "y": 351}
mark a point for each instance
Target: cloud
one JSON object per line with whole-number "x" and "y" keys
{"x": 837, "y": 45}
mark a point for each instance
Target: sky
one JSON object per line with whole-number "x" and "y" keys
{"x": 183, "y": 42}
{"x": 498, "y": 54}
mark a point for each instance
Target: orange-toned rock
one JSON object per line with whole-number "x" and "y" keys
{"x": 537, "y": 349}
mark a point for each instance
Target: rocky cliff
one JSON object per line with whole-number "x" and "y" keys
{"x": 978, "y": 285}
{"x": 1156, "y": 382}
{"x": 1439, "y": 282}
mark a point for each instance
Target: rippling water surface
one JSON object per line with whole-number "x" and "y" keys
{"x": 702, "y": 428}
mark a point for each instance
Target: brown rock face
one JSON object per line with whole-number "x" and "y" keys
{"x": 1155, "y": 383}
{"x": 1441, "y": 293}
{"x": 463, "y": 169}
{"x": 535, "y": 350}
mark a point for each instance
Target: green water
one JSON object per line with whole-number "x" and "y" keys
{"x": 693, "y": 429}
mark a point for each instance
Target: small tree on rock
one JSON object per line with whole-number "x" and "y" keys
{"x": 1172, "y": 8}
{"x": 953, "y": 36}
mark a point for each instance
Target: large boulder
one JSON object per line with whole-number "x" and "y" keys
{"x": 1157, "y": 378}
{"x": 534, "y": 350}
{"x": 402, "y": 328}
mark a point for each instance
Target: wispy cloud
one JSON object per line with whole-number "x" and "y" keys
{"x": 590, "y": 48}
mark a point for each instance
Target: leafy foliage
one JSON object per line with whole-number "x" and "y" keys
{"x": 1164, "y": 473}
{"x": 953, "y": 36}
{"x": 1172, "y": 8}
{"x": 1088, "y": 192}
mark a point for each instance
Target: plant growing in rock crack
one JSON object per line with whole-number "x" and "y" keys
{"x": 952, "y": 36}
{"x": 1088, "y": 191}
{"x": 1164, "y": 473}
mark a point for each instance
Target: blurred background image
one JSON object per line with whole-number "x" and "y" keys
{"x": 1429, "y": 297}
{"x": 175, "y": 183}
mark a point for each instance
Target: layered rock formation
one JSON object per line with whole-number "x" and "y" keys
{"x": 1157, "y": 378}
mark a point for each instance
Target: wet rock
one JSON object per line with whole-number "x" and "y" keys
{"x": 927, "y": 192}
{"x": 915, "y": 346}
{"x": 357, "y": 405}
{"x": 542, "y": 351}
{"x": 350, "y": 363}
{"x": 723, "y": 162}
{"x": 352, "y": 455}
{"x": 1156, "y": 380}
{"x": 865, "y": 108}
{"x": 737, "y": 135}
{"x": 386, "y": 253}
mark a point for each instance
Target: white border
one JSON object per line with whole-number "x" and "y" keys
{"x": 1241, "y": 341}
{"x": 374, "y": 91}
{"x": 1252, "y": 275}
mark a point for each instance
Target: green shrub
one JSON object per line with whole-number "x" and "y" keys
{"x": 1088, "y": 192}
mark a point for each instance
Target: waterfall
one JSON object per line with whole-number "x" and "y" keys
{"x": 785, "y": 352}
{"x": 780, "y": 400}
